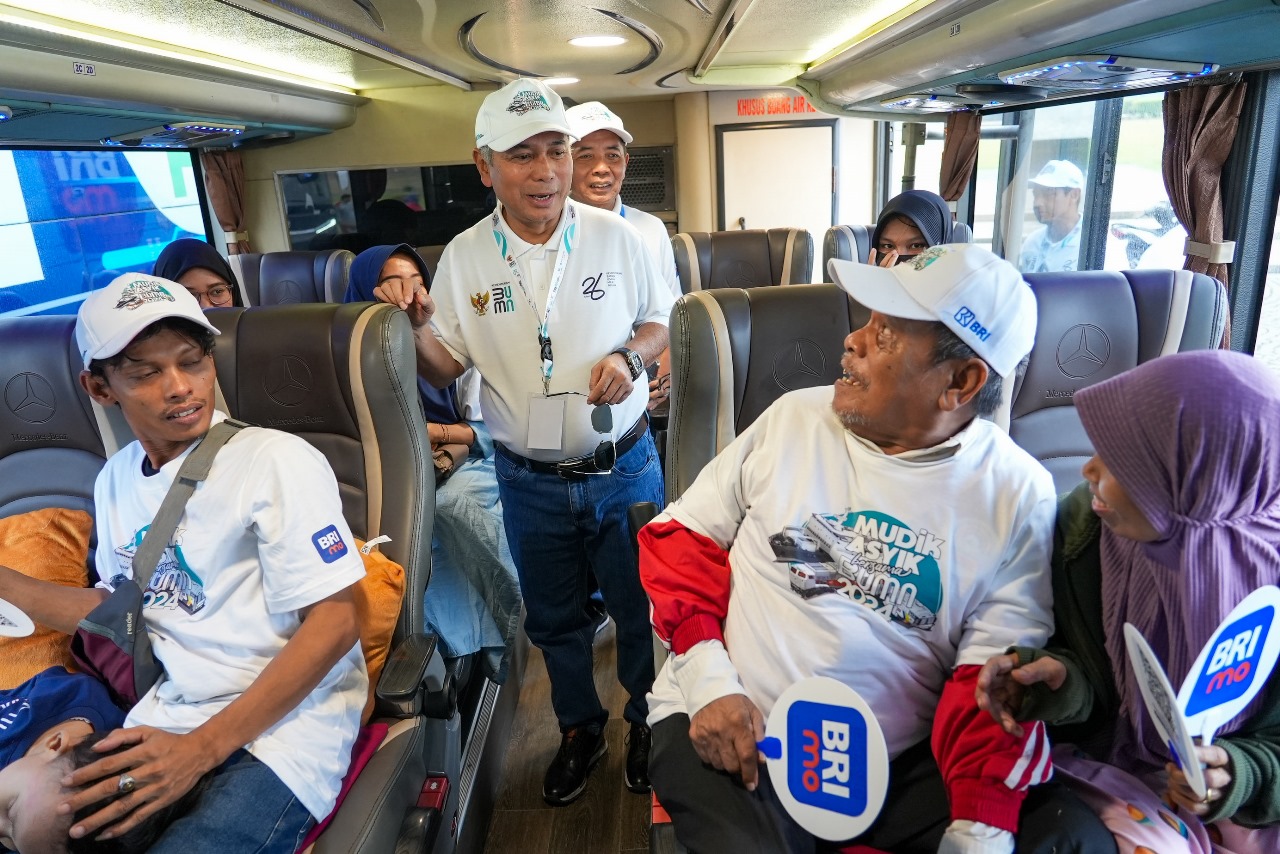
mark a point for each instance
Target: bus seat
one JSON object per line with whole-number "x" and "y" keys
{"x": 431, "y": 256}
{"x": 1093, "y": 325}
{"x": 736, "y": 350}
{"x": 343, "y": 377}
{"x": 853, "y": 243}
{"x": 742, "y": 259}
{"x": 47, "y": 424}
{"x": 282, "y": 278}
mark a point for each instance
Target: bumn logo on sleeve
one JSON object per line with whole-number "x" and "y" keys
{"x": 870, "y": 557}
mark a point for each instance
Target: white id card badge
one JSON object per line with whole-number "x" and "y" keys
{"x": 546, "y": 423}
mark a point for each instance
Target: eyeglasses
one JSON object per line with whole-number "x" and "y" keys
{"x": 606, "y": 453}
{"x": 217, "y": 296}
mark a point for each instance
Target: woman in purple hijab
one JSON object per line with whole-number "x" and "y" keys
{"x": 1177, "y": 521}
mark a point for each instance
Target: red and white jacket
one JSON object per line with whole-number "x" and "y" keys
{"x": 802, "y": 550}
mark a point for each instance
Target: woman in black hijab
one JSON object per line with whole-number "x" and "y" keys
{"x": 199, "y": 268}
{"x": 910, "y": 223}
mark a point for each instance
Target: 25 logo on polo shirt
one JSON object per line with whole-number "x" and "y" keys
{"x": 329, "y": 544}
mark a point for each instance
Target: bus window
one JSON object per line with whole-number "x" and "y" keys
{"x": 1042, "y": 208}
{"x": 71, "y": 221}
{"x": 928, "y": 167}
{"x": 358, "y": 208}
{"x": 1143, "y": 232}
{"x": 992, "y": 153}
{"x": 1267, "y": 347}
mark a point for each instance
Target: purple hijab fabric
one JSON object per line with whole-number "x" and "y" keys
{"x": 1193, "y": 439}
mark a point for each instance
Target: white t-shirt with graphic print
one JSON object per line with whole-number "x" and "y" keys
{"x": 610, "y": 287}
{"x": 262, "y": 538}
{"x": 883, "y": 572}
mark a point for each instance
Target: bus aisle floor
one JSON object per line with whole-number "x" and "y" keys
{"x": 607, "y": 819}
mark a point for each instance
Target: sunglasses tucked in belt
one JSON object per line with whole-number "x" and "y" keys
{"x": 601, "y": 460}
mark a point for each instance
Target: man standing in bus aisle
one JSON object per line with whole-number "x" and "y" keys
{"x": 777, "y": 564}
{"x": 559, "y": 307}
{"x": 600, "y": 161}
{"x": 1056, "y": 194}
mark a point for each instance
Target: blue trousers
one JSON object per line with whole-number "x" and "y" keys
{"x": 557, "y": 529}
{"x": 244, "y": 808}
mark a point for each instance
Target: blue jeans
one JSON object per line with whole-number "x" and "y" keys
{"x": 473, "y": 599}
{"x": 557, "y": 529}
{"x": 244, "y": 808}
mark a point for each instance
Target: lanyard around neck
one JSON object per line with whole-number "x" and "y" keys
{"x": 557, "y": 276}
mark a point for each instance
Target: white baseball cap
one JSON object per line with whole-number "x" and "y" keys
{"x": 593, "y": 116}
{"x": 977, "y": 295}
{"x": 110, "y": 318}
{"x": 519, "y": 110}
{"x": 1060, "y": 175}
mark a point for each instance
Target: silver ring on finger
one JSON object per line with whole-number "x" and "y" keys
{"x": 126, "y": 784}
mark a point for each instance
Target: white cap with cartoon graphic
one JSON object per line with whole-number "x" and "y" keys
{"x": 593, "y": 116}
{"x": 519, "y": 110}
{"x": 110, "y": 318}
{"x": 979, "y": 296}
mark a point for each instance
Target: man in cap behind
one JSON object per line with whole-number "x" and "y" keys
{"x": 1056, "y": 193}
{"x": 253, "y": 616}
{"x": 902, "y": 539}
{"x": 559, "y": 307}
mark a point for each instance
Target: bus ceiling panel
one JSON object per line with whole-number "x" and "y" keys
{"x": 39, "y": 75}
{"x": 976, "y": 45}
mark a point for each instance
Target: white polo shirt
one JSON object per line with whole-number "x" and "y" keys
{"x": 1042, "y": 255}
{"x": 654, "y": 232}
{"x": 609, "y": 288}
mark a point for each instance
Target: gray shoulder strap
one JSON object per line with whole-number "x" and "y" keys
{"x": 195, "y": 468}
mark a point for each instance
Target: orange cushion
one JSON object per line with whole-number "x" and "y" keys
{"x": 51, "y": 545}
{"x": 378, "y": 596}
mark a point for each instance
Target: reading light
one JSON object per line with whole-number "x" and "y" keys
{"x": 926, "y": 102}
{"x": 6, "y": 113}
{"x": 597, "y": 41}
{"x": 1105, "y": 72}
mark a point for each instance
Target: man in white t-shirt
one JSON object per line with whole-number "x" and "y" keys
{"x": 600, "y": 162}
{"x": 559, "y": 307}
{"x": 881, "y": 533}
{"x": 1056, "y": 193}
{"x": 250, "y": 609}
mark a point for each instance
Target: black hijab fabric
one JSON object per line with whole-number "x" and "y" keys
{"x": 927, "y": 210}
{"x": 188, "y": 253}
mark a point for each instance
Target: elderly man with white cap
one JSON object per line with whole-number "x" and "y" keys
{"x": 600, "y": 161}
{"x": 560, "y": 307}
{"x": 1056, "y": 193}
{"x": 252, "y": 615}
{"x": 883, "y": 533}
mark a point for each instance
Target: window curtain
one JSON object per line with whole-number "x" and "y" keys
{"x": 224, "y": 181}
{"x": 959, "y": 153}
{"x": 1199, "y": 129}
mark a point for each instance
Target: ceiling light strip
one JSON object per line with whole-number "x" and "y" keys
{"x": 34, "y": 21}
{"x": 308, "y": 24}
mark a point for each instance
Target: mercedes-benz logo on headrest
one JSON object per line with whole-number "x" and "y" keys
{"x": 290, "y": 292}
{"x": 742, "y": 274}
{"x": 30, "y": 397}
{"x": 1083, "y": 351}
{"x": 287, "y": 381}
{"x": 800, "y": 364}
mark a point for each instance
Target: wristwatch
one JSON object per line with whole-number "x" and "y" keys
{"x": 634, "y": 363}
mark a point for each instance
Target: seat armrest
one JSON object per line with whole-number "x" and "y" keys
{"x": 414, "y": 671}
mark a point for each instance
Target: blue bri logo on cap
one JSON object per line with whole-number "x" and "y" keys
{"x": 827, "y": 757}
{"x": 969, "y": 320}
{"x": 329, "y": 544}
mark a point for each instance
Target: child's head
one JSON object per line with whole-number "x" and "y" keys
{"x": 31, "y": 789}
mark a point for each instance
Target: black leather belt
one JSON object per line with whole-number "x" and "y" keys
{"x": 584, "y": 465}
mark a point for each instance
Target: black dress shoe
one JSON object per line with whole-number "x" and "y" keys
{"x": 636, "y": 774}
{"x": 580, "y": 749}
